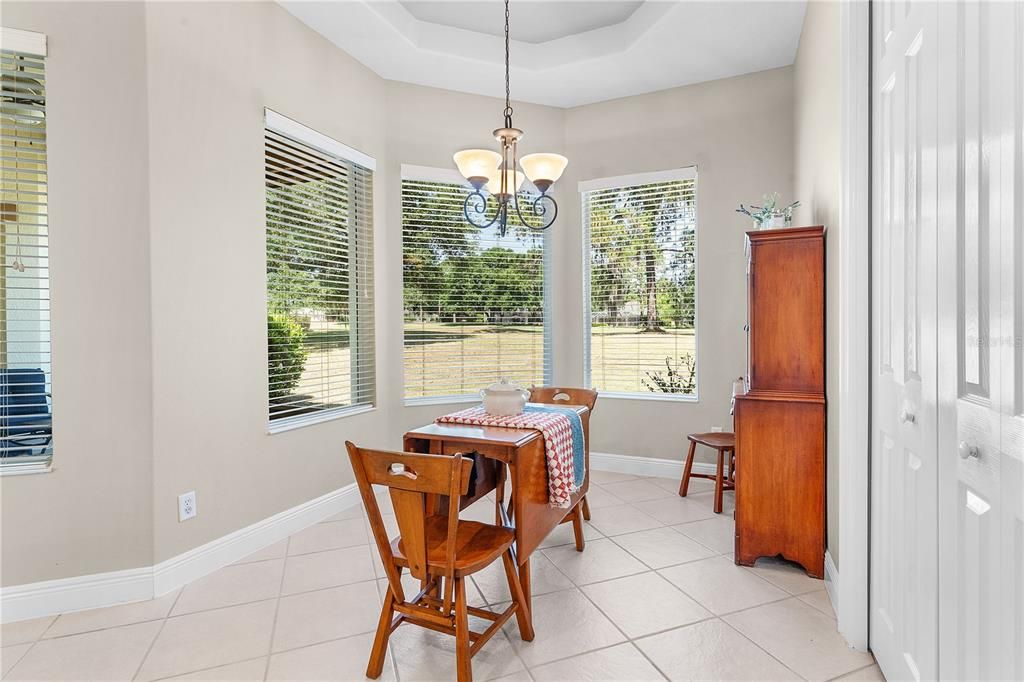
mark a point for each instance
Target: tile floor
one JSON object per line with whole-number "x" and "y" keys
{"x": 654, "y": 596}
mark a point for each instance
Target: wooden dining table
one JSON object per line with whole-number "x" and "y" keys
{"x": 507, "y": 457}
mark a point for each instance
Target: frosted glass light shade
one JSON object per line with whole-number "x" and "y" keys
{"x": 544, "y": 167}
{"x": 477, "y": 163}
{"x": 515, "y": 182}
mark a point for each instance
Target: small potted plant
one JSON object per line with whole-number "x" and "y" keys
{"x": 769, "y": 215}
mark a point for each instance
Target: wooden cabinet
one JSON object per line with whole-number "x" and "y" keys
{"x": 780, "y": 419}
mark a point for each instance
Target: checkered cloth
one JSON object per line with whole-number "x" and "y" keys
{"x": 558, "y": 444}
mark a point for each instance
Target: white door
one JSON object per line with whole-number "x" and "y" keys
{"x": 981, "y": 391}
{"x": 904, "y": 544}
{"x": 947, "y": 564}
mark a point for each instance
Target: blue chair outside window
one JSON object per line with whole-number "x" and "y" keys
{"x": 26, "y": 424}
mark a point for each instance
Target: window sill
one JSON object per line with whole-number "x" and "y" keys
{"x": 26, "y": 468}
{"x": 292, "y": 423}
{"x": 649, "y": 396}
{"x": 443, "y": 400}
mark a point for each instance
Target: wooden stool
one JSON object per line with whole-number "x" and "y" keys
{"x": 723, "y": 442}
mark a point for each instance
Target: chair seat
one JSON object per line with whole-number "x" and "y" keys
{"x": 717, "y": 439}
{"x": 476, "y": 544}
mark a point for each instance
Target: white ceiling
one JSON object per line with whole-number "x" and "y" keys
{"x": 564, "y": 52}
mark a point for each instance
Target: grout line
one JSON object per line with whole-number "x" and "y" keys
{"x": 857, "y": 670}
{"x": 277, "y": 608}
{"x": 214, "y": 667}
{"x": 163, "y": 623}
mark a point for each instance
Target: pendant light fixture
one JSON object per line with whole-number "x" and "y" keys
{"x": 496, "y": 172}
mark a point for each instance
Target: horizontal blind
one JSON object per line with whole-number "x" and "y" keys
{"x": 25, "y": 370}
{"x": 642, "y": 275}
{"x": 473, "y": 301}
{"x": 319, "y": 280}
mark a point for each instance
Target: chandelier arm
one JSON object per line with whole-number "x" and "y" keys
{"x": 479, "y": 208}
{"x": 537, "y": 206}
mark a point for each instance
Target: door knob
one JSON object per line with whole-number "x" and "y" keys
{"x": 907, "y": 417}
{"x": 967, "y": 450}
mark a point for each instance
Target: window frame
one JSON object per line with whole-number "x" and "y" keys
{"x": 631, "y": 180}
{"x": 416, "y": 173}
{"x": 305, "y": 135}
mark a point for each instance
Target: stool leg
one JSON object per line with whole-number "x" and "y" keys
{"x": 685, "y": 483}
{"x": 718, "y": 482}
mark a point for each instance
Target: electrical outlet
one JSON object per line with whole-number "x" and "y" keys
{"x": 187, "y": 506}
{"x": 716, "y": 429}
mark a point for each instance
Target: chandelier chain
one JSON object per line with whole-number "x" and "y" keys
{"x": 508, "y": 90}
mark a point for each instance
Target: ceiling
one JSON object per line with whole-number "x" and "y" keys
{"x": 564, "y": 53}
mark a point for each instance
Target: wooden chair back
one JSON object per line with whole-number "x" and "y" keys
{"x": 555, "y": 395}
{"x": 415, "y": 482}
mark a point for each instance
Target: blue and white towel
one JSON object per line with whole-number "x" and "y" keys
{"x": 578, "y": 446}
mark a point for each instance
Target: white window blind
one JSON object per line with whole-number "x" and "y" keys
{"x": 641, "y": 236}
{"x": 320, "y": 345}
{"x": 26, "y": 415}
{"x": 474, "y": 302}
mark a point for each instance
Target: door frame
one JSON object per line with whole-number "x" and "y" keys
{"x": 850, "y": 596}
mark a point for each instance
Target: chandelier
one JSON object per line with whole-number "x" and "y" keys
{"x": 496, "y": 173}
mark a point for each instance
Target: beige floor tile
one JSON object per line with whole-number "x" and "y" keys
{"x": 563, "y": 534}
{"x": 521, "y": 676}
{"x": 624, "y": 518}
{"x": 22, "y": 631}
{"x": 711, "y": 650}
{"x": 354, "y": 512}
{"x": 246, "y": 671}
{"x": 602, "y": 560}
{"x": 603, "y": 477}
{"x": 636, "y": 491}
{"x": 872, "y": 673}
{"x": 481, "y": 510}
{"x": 566, "y": 623}
{"x": 697, "y": 485}
{"x": 787, "y": 575}
{"x": 422, "y": 654}
{"x": 800, "y": 636}
{"x": 721, "y": 585}
{"x": 333, "y": 535}
{"x": 327, "y": 569}
{"x": 644, "y": 604}
{"x": 718, "y": 533}
{"x": 112, "y": 654}
{"x": 674, "y": 510}
{"x": 708, "y": 499}
{"x": 112, "y": 616}
{"x": 620, "y": 662}
{"x": 204, "y": 640}
{"x": 9, "y": 655}
{"x": 598, "y": 497}
{"x": 341, "y": 659}
{"x": 231, "y": 585}
{"x": 274, "y": 551}
{"x": 544, "y": 578}
{"x": 314, "y": 617}
{"x": 660, "y": 547}
{"x": 819, "y": 600}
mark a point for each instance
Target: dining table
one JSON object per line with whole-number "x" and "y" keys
{"x": 512, "y": 460}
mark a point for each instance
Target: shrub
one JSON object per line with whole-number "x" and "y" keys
{"x": 680, "y": 376}
{"x": 287, "y": 353}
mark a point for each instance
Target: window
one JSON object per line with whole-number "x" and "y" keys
{"x": 640, "y": 321}
{"x": 319, "y": 277}
{"x": 474, "y": 302}
{"x": 26, "y": 414}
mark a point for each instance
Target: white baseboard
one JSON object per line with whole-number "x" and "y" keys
{"x": 645, "y": 466}
{"x": 34, "y": 600}
{"x": 832, "y": 581}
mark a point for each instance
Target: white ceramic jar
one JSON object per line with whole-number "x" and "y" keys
{"x": 502, "y": 399}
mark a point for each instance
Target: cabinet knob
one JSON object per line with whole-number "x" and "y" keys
{"x": 967, "y": 450}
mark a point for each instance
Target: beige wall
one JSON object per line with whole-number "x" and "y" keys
{"x": 93, "y": 512}
{"x": 172, "y": 231}
{"x": 816, "y": 125}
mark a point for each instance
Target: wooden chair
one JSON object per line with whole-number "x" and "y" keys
{"x": 554, "y": 395}
{"x": 723, "y": 442}
{"x": 437, "y": 548}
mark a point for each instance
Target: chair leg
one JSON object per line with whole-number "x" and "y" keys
{"x": 523, "y": 615}
{"x": 463, "y": 661}
{"x": 586, "y": 508}
{"x": 380, "y": 643}
{"x": 719, "y": 479}
{"x": 684, "y": 484}
{"x": 577, "y": 527}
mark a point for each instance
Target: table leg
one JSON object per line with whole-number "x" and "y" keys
{"x": 524, "y": 580}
